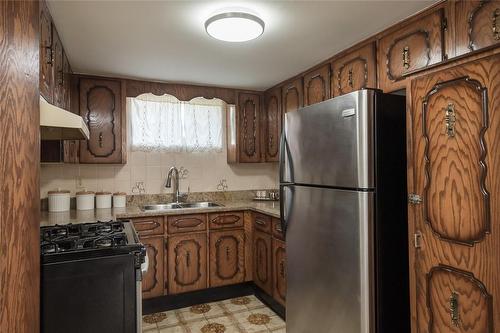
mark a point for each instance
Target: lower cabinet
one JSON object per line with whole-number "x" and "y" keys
{"x": 279, "y": 271}
{"x": 227, "y": 257}
{"x": 187, "y": 262}
{"x": 262, "y": 261}
{"x": 152, "y": 281}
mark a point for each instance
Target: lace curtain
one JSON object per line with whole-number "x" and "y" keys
{"x": 163, "y": 123}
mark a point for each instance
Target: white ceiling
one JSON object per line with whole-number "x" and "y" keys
{"x": 166, "y": 40}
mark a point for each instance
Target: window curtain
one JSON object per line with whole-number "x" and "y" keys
{"x": 163, "y": 123}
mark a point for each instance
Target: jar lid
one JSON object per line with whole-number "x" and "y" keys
{"x": 85, "y": 192}
{"x": 119, "y": 193}
{"x": 58, "y": 191}
{"x": 103, "y": 193}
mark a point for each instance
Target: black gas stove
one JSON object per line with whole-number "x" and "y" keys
{"x": 99, "y": 266}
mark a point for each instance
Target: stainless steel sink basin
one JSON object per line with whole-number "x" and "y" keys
{"x": 179, "y": 205}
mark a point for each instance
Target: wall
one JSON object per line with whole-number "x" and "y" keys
{"x": 205, "y": 172}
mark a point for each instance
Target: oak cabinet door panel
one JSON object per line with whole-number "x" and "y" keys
{"x": 152, "y": 281}
{"x": 262, "y": 261}
{"x": 46, "y": 61}
{"x": 262, "y": 222}
{"x": 455, "y": 126}
{"x": 279, "y": 271}
{"x": 272, "y": 124}
{"x": 249, "y": 127}
{"x": 317, "y": 85}
{"x": 227, "y": 257}
{"x": 225, "y": 220}
{"x": 187, "y": 263}
{"x": 146, "y": 226}
{"x": 186, "y": 223}
{"x": 293, "y": 95}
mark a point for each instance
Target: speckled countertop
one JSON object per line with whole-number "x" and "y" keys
{"x": 83, "y": 216}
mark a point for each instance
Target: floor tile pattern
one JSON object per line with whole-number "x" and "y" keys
{"x": 238, "y": 315}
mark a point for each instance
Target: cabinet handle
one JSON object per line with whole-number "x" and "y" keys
{"x": 450, "y": 119}
{"x": 48, "y": 55}
{"x": 271, "y": 141}
{"x": 349, "y": 79}
{"x": 260, "y": 222}
{"x": 406, "y": 57}
{"x": 455, "y": 316}
{"x": 227, "y": 253}
{"x": 100, "y": 140}
{"x": 278, "y": 228}
{"x": 282, "y": 269}
{"x": 494, "y": 27}
{"x": 188, "y": 259}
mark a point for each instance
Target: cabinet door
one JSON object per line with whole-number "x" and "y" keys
{"x": 355, "y": 70}
{"x": 225, "y": 220}
{"x": 455, "y": 126}
{"x": 279, "y": 271}
{"x": 45, "y": 53}
{"x": 477, "y": 25}
{"x": 152, "y": 281}
{"x": 293, "y": 94}
{"x": 58, "y": 68}
{"x": 186, "y": 223}
{"x": 102, "y": 109}
{"x": 262, "y": 222}
{"x": 272, "y": 123}
{"x": 187, "y": 263}
{"x": 317, "y": 85}
{"x": 416, "y": 45}
{"x": 277, "y": 231}
{"x": 262, "y": 261}
{"x": 227, "y": 257}
{"x": 249, "y": 127}
{"x": 150, "y": 225}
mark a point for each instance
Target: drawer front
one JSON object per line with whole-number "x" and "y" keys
{"x": 415, "y": 46}
{"x": 277, "y": 231}
{"x": 186, "y": 223}
{"x": 262, "y": 222}
{"x": 148, "y": 225}
{"x": 225, "y": 220}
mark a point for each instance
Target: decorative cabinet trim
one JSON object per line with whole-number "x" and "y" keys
{"x": 495, "y": 23}
{"x": 178, "y": 264}
{"x": 228, "y": 254}
{"x": 262, "y": 259}
{"x": 272, "y": 124}
{"x": 477, "y": 86}
{"x": 154, "y": 267}
{"x": 350, "y": 74}
{"x": 249, "y": 139}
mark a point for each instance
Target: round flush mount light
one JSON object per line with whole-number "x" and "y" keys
{"x": 234, "y": 26}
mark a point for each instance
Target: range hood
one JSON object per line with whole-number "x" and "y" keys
{"x": 59, "y": 124}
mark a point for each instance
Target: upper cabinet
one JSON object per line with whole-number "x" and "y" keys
{"x": 415, "y": 45}
{"x": 355, "y": 70}
{"x": 102, "y": 107}
{"x": 249, "y": 127}
{"x": 477, "y": 25}
{"x": 45, "y": 53}
{"x": 293, "y": 95}
{"x": 272, "y": 125}
{"x": 58, "y": 97}
{"x": 317, "y": 85}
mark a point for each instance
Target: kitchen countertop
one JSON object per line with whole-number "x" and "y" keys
{"x": 271, "y": 208}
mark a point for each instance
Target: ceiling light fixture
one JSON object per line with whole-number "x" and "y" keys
{"x": 234, "y": 26}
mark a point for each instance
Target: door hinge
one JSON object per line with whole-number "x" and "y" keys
{"x": 445, "y": 24}
{"x": 414, "y": 199}
{"x": 417, "y": 240}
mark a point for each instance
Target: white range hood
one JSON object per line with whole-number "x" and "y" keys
{"x": 59, "y": 124}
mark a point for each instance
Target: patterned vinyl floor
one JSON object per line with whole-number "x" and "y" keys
{"x": 238, "y": 315}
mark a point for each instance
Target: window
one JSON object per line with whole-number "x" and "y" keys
{"x": 163, "y": 123}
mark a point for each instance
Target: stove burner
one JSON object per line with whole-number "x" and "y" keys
{"x": 103, "y": 242}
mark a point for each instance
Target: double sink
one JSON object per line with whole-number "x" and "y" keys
{"x": 179, "y": 205}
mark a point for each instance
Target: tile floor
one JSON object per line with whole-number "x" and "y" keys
{"x": 238, "y": 315}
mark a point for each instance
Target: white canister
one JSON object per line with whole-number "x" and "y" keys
{"x": 59, "y": 201}
{"x": 119, "y": 199}
{"x": 85, "y": 200}
{"x": 103, "y": 200}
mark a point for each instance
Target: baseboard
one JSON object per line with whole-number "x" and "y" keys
{"x": 270, "y": 302}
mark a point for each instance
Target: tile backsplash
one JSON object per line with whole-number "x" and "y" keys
{"x": 202, "y": 172}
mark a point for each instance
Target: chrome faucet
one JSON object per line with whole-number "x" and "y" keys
{"x": 173, "y": 172}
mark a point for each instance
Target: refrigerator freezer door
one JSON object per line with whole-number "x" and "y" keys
{"x": 329, "y": 254}
{"x": 331, "y": 143}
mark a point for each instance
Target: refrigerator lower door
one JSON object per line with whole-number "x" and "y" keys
{"x": 329, "y": 252}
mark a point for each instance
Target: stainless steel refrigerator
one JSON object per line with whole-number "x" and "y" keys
{"x": 343, "y": 190}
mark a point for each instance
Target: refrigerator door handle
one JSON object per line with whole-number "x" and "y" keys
{"x": 285, "y": 153}
{"x": 283, "y": 212}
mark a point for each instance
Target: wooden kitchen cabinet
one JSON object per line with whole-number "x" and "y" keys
{"x": 153, "y": 280}
{"x": 186, "y": 223}
{"x": 262, "y": 222}
{"x": 272, "y": 125}
{"x": 58, "y": 71}
{"x": 455, "y": 123}
{"x": 149, "y": 225}
{"x": 355, "y": 70}
{"x": 46, "y": 78}
{"x": 102, "y": 107}
{"x": 227, "y": 257}
{"x": 317, "y": 85}
{"x": 279, "y": 271}
{"x": 187, "y": 262}
{"x": 262, "y": 261}
{"x": 477, "y": 25}
{"x": 225, "y": 220}
{"x": 249, "y": 115}
{"x": 414, "y": 45}
{"x": 277, "y": 230}
{"x": 292, "y": 95}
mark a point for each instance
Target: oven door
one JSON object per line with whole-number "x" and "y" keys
{"x": 90, "y": 295}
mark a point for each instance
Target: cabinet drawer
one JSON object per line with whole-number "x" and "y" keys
{"x": 225, "y": 220}
{"x": 277, "y": 231}
{"x": 186, "y": 223}
{"x": 412, "y": 47}
{"x": 148, "y": 225}
{"x": 262, "y": 222}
